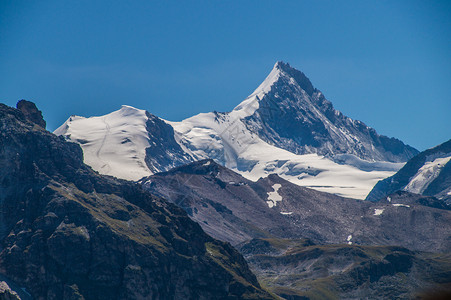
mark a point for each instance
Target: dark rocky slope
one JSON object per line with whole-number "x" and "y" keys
{"x": 234, "y": 209}
{"x": 296, "y": 116}
{"x": 68, "y": 233}
{"x": 164, "y": 153}
{"x": 350, "y": 253}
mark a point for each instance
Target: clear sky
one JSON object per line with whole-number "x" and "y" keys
{"x": 386, "y": 63}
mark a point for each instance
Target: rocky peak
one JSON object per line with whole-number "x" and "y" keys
{"x": 300, "y": 78}
{"x": 31, "y": 112}
{"x": 293, "y": 115}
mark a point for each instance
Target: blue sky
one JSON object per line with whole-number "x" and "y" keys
{"x": 386, "y": 63}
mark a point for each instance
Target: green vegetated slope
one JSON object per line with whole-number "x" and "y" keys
{"x": 299, "y": 269}
{"x": 68, "y": 233}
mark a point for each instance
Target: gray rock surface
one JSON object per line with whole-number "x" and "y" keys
{"x": 234, "y": 209}
{"x": 31, "y": 112}
{"x": 296, "y": 116}
{"x": 69, "y": 233}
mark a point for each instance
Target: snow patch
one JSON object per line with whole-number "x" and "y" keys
{"x": 349, "y": 239}
{"x": 274, "y": 197}
{"x": 401, "y": 205}
{"x": 114, "y": 144}
{"x": 286, "y": 212}
{"x": 226, "y": 139}
{"x": 427, "y": 173}
{"x": 251, "y": 103}
{"x": 378, "y": 211}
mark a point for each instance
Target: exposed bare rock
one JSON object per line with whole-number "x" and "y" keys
{"x": 68, "y": 233}
{"x": 31, "y": 112}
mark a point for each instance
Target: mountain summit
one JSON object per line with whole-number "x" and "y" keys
{"x": 286, "y": 126}
{"x": 295, "y": 116}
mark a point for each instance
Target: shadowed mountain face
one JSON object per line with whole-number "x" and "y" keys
{"x": 234, "y": 209}
{"x": 295, "y": 116}
{"x": 68, "y": 233}
{"x": 428, "y": 173}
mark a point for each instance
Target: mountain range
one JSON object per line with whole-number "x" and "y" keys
{"x": 67, "y": 232}
{"x": 286, "y": 127}
{"x": 262, "y": 202}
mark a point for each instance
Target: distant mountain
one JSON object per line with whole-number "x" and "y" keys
{"x": 68, "y": 233}
{"x": 293, "y": 115}
{"x": 428, "y": 173}
{"x": 234, "y": 209}
{"x": 285, "y": 126}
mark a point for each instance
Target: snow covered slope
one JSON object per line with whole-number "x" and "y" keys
{"x": 226, "y": 139}
{"x": 285, "y": 127}
{"x": 428, "y": 173}
{"x": 114, "y": 144}
{"x": 120, "y": 143}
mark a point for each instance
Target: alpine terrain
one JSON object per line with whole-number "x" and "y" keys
{"x": 286, "y": 127}
{"x": 428, "y": 173}
{"x": 307, "y": 244}
{"x": 67, "y": 232}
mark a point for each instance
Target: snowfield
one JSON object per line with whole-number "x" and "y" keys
{"x": 115, "y": 144}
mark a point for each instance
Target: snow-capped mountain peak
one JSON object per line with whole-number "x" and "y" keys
{"x": 251, "y": 103}
{"x": 120, "y": 143}
{"x": 281, "y": 71}
{"x": 292, "y": 114}
{"x": 286, "y": 126}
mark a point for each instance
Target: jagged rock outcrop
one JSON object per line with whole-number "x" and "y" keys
{"x": 68, "y": 233}
{"x": 6, "y": 293}
{"x": 295, "y": 116}
{"x": 31, "y": 112}
{"x": 163, "y": 152}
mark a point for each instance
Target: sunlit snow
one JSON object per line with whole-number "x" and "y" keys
{"x": 401, "y": 205}
{"x": 274, "y": 197}
{"x": 427, "y": 173}
{"x": 113, "y": 144}
{"x": 378, "y": 211}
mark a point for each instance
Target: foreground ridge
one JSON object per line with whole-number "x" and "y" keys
{"x": 69, "y": 233}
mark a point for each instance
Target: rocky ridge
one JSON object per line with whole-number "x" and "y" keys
{"x": 68, "y": 233}
{"x": 231, "y": 208}
{"x": 295, "y": 116}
